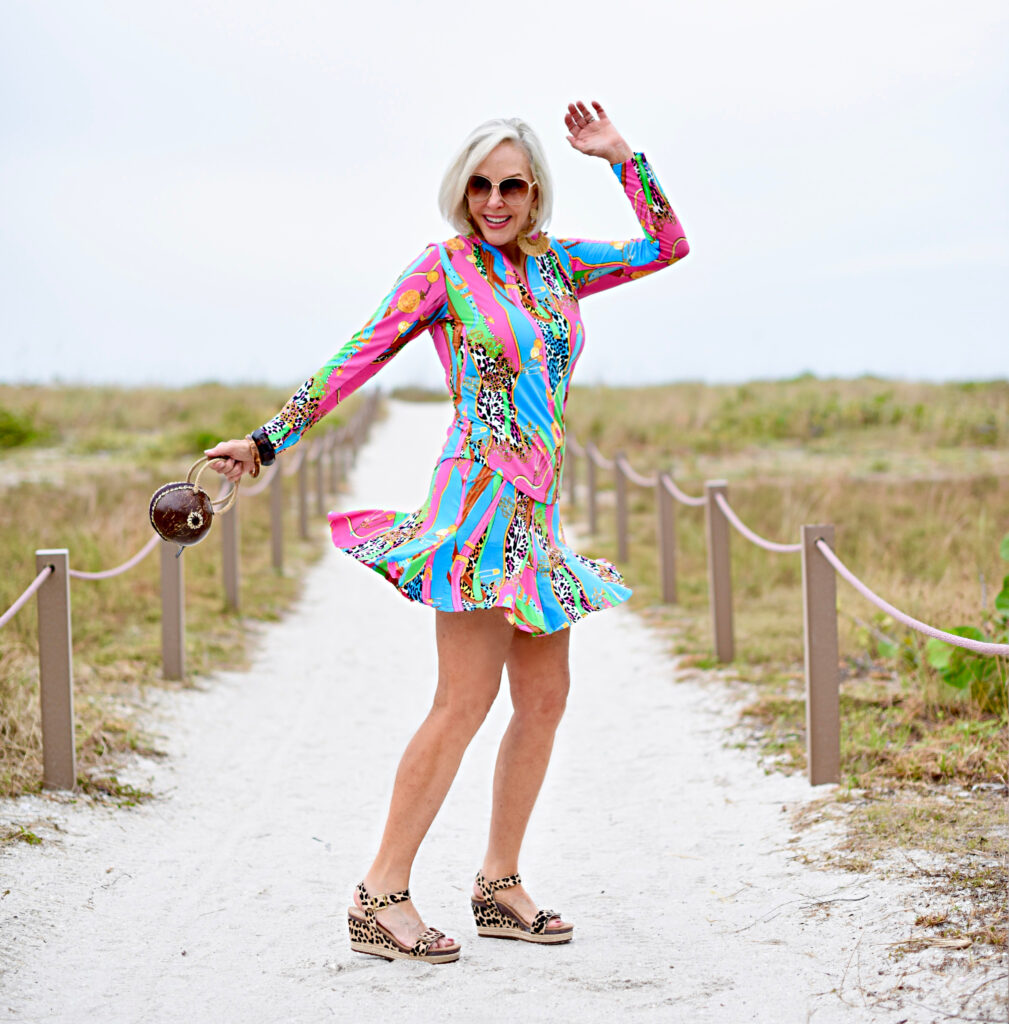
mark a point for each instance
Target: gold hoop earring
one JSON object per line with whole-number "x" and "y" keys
{"x": 530, "y": 242}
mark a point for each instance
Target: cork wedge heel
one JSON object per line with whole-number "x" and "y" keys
{"x": 367, "y": 935}
{"x": 495, "y": 919}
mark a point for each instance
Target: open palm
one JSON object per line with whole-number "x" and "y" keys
{"x": 595, "y": 135}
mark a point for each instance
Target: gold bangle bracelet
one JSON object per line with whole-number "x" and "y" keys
{"x": 254, "y": 451}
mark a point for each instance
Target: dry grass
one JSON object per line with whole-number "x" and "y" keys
{"x": 915, "y": 479}
{"x": 64, "y": 489}
{"x": 925, "y": 534}
{"x": 860, "y": 421}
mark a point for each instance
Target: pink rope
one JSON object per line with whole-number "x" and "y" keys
{"x": 635, "y": 477}
{"x": 25, "y": 596}
{"x": 680, "y": 496}
{"x": 119, "y": 569}
{"x": 767, "y": 545}
{"x": 922, "y": 627}
{"x": 262, "y": 483}
{"x": 293, "y": 468}
{"x": 597, "y": 457}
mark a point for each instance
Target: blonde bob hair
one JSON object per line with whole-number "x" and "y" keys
{"x": 479, "y": 143}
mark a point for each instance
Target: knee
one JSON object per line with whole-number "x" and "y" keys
{"x": 465, "y": 711}
{"x": 541, "y": 705}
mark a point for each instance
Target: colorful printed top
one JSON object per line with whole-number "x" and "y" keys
{"x": 508, "y": 352}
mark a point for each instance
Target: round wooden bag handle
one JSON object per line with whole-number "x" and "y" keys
{"x": 222, "y": 504}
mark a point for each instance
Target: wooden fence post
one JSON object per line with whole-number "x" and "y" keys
{"x": 334, "y": 457}
{"x": 719, "y": 570}
{"x": 277, "y": 517}
{"x": 819, "y": 618}
{"x": 320, "y": 478}
{"x": 620, "y": 478}
{"x": 173, "y": 613}
{"x": 230, "y": 558}
{"x": 303, "y": 496}
{"x": 590, "y": 483}
{"x": 665, "y": 506}
{"x": 56, "y": 671}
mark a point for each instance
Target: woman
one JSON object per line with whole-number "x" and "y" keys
{"x": 501, "y": 300}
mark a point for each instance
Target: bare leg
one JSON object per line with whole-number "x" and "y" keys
{"x": 539, "y": 678}
{"x": 472, "y": 647}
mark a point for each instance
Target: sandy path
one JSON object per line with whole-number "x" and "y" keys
{"x": 225, "y": 898}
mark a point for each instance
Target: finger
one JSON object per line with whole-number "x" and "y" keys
{"x": 570, "y": 122}
{"x": 575, "y": 114}
{"x": 600, "y": 113}
{"x": 584, "y": 111}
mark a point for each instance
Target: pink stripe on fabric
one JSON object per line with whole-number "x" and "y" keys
{"x": 458, "y": 563}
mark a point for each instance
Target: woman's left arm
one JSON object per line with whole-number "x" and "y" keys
{"x": 598, "y": 265}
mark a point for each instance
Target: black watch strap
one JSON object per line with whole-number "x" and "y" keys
{"x": 267, "y": 453}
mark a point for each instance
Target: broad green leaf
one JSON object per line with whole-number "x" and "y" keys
{"x": 970, "y": 632}
{"x": 938, "y": 653}
{"x": 1003, "y": 548}
{"x": 888, "y": 649}
{"x": 959, "y": 679}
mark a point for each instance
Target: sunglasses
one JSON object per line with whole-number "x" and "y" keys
{"x": 511, "y": 190}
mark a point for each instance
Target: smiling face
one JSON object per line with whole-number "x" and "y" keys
{"x": 500, "y": 222}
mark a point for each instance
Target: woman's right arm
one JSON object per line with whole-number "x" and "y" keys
{"x": 417, "y": 300}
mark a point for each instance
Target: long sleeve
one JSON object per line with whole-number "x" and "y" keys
{"x": 596, "y": 266}
{"x": 417, "y": 301}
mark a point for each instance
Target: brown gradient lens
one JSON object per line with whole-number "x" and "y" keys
{"x": 511, "y": 190}
{"x": 478, "y": 188}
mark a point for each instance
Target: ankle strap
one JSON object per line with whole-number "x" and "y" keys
{"x": 372, "y": 903}
{"x": 487, "y": 888}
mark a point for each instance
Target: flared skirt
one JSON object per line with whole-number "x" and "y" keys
{"x": 478, "y": 542}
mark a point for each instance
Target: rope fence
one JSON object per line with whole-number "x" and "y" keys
{"x": 977, "y": 646}
{"x": 265, "y": 475}
{"x": 107, "y": 574}
{"x": 332, "y": 454}
{"x": 26, "y": 595}
{"x": 820, "y": 568}
{"x": 680, "y": 496}
{"x": 755, "y": 538}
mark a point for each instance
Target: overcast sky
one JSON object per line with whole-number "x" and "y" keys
{"x": 226, "y": 190}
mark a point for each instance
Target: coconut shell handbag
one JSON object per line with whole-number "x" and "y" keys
{"x": 182, "y": 512}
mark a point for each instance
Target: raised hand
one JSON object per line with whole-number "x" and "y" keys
{"x": 595, "y": 135}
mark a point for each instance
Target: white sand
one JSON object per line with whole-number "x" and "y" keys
{"x": 224, "y": 899}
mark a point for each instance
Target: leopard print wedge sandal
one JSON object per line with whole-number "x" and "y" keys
{"x": 367, "y": 935}
{"x": 495, "y": 919}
